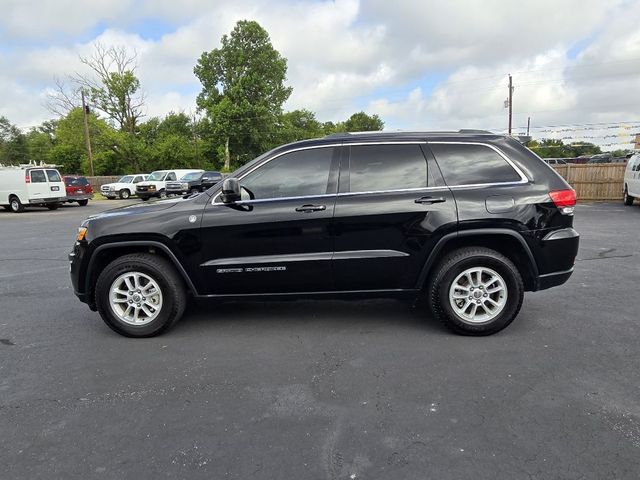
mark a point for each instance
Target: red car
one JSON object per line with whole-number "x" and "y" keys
{"x": 78, "y": 189}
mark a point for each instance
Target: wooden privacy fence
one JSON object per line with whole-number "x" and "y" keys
{"x": 97, "y": 182}
{"x": 597, "y": 181}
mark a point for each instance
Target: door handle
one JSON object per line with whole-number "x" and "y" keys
{"x": 430, "y": 200}
{"x": 311, "y": 208}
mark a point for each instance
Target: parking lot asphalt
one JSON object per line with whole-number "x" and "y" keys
{"x": 320, "y": 389}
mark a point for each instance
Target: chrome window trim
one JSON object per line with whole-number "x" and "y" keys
{"x": 331, "y": 145}
{"x": 523, "y": 177}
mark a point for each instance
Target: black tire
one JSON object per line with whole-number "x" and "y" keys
{"x": 174, "y": 295}
{"x": 53, "y": 206}
{"x": 193, "y": 191}
{"x": 15, "y": 205}
{"x": 124, "y": 194}
{"x": 83, "y": 203}
{"x": 162, "y": 194}
{"x": 628, "y": 199}
{"x": 451, "y": 267}
{"x": 144, "y": 199}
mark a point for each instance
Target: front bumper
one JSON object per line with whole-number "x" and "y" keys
{"x": 78, "y": 259}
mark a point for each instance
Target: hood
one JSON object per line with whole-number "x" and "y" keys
{"x": 135, "y": 209}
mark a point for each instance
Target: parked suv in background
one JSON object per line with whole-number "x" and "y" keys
{"x": 468, "y": 220}
{"x": 78, "y": 189}
{"x": 156, "y": 184}
{"x": 124, "y": 187}
{"x": 632, "y": 180}
{"x": 194, "y": 182}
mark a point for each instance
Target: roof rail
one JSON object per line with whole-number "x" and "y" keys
{"x": 473, "y": 130}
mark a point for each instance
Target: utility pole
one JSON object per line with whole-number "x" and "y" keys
{"x": 87, "y": 140}
{"x": 528, "y": 125}
{"x": 510, "y": 102}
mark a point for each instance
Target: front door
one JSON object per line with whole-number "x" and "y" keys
{"x": 392, "y": 208}
{"x": 277, "y": 239}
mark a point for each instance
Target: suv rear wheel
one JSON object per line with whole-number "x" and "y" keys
{"x": 476, "y": 291}
{"x": 140, "y": 295}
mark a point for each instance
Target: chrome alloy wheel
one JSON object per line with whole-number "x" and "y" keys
{"x": 478, "y": 295}
{"x": 135, "y": 298}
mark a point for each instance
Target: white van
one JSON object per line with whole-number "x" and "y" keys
{"x": 155, "y": 185}
{"x": 632, "y": 180}
{"x": 31, "y": 186}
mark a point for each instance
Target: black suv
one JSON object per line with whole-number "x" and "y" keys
{"x": 194, "y": 182}
{"x": 469, "y": 220}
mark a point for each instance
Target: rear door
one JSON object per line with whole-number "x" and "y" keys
{"x": 55, "y": 184}
{"x": 392, "y": 207}
{"x": 38, "y": 185}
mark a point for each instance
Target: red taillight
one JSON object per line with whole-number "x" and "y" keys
{"x": 564, "y": 198}
{"x": 27, "y": 179}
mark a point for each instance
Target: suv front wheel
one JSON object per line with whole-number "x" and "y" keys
{"x": 476, "y": 291}
{"x": 140, "y": 295}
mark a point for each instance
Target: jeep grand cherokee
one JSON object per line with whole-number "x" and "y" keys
{"x": 469, "y": 220}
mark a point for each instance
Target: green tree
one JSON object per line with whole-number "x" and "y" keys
{"x": 361, "y": 122}
{"x": 553, "y": 148}
{"x": 13, "y": 145}
{"x": 171, "y": 142}
{"x": 70, "y": 151}
{"x": 243, "y": 90}
{"x": 298, "y": 125}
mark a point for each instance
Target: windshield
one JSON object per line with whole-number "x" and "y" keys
{"x": 126, "y": 179}
{"x": 192, "y": 176}
{"x": 157, "y": 176}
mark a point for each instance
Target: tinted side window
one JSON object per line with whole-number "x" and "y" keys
{"x": 171, "y": 176}
{"x": 137, "y": 179}
{"x": 37, "y": 176}
{"x": 386, "y": 167}
{"x": 295, "y": 174}
{"x": 472, "y": 164}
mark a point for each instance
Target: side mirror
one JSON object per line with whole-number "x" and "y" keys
{"x": 230, "y": 190}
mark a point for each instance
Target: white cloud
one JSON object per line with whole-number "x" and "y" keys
{"x": 36, "y": 19}
{"x": 347, "y": 54}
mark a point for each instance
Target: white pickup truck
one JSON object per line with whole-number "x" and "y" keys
{"x": 124, "y": 187}
{"x": 156, "y": 183}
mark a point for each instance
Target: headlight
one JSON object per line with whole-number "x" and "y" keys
{"x": 112, "y": 188}
{"x": 184, "y": 185}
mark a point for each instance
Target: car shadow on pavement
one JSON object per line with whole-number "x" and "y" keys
{"x": 317, "y": 314}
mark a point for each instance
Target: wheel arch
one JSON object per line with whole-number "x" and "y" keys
{"x": 107, "y": 252}
{"x": 505, "y": 241}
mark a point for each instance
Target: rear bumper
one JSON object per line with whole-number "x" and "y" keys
{"x": 549, "y": 280}
{"x": 557, "y": 256}
{"x": 75, "y": 198}
{"x": 42, "y": 201}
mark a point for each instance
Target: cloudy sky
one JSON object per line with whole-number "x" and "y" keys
{"x": 419, "y": 64}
